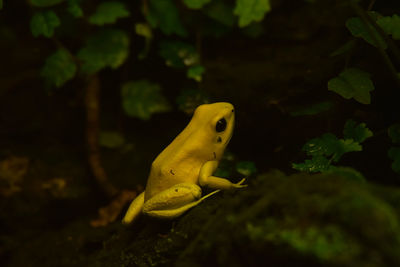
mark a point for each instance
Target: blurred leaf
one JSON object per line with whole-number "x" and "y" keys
{"x": 221, "y": 12}
{"x": 321, "y": 146}
{"x": 45, "y": 3}
{"x": 143, "y": 98}
{"x": 353, "y": 83}
{"x": 246, "y": 168}
{"x": 251, "y": 10}
{"x": 108, "y": 47}
{"x": 189, "y": 99}
{"x": 394, "y": 133}
{"x": 346, "y": 172}
{"x": 1, "y": 4}
{"x": 178, "y": 54}
{"x": 329, "y": 145}
{"x": 358, "y": 29}
{"x": 164, "y": 14}
{"x": 391, "y": 25}
{"x": 59, "y": 68}
{"x": 195, "y": 4}
{"x": 394, "y": 154}
{"x": 344, "y": 48}
{"x": 196, "y": 72}
{"x": 143, "y": 29}
{"x": 74, "y": 8}
{"x": 356, "y": 132}
{"x": 316, "y": 164}
{"x": 108, "y": 13}
{"x": 111, "y": 139}
{"x": 313, "y": 109}
{"x": 254, "y": 30}
{"x": 44, "y": 23}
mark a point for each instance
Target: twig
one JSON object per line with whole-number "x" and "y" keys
{"x": 92, "y": 132}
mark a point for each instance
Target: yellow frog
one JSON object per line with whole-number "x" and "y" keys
{"x": 189, "y": 161}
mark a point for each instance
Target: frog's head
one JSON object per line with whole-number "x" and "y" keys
{"x": 216, "y": 122}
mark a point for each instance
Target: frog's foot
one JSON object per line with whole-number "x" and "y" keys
{"x": 174, "y": 201}
{"x": 134, "y": 209}
{"x": 240, "y": 184}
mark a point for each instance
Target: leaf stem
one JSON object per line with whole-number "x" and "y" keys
{"x": 366, "y": 19}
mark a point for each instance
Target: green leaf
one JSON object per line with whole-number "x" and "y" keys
{"x": 316, "y": 164}
{"x": 1, "y": 4}
{"x": 394, "y": 154}
{"x": 111, "y": 139}
{"x": 246, "y": 168}
{"x": 59, "y": 68}
{"x": 358, "y": 29}
{"x": 45, "y": 3}
{"x": 108, "y": 13}
{"x": 356, "y": 132}
{"x": 143, "y": 29}
{"x": 108, "y": 47}
{"x": 325, "y": 145}
{"x": 391, "y": 25}
{"x": 178, "y": 54}
{"x": 74, "y": 9}
{"x": 221, "y": 12}
{"x": 196, "y": 72}
{"x": 345, "y": 146}
{"x": 189, "y": 99}
{"x": 195, "y": 4}
{"x": 142, "y": 98}
{"x": 251, "y": 10}
{"x": 44, "y": 23}
{"x": 164, "y": 14}
{"x": 353, "y": 83}
{"x": 312, "y": 109}
{"x": 394, "y": 133}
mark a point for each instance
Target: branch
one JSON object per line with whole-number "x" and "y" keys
{"x": 92, "y": 132}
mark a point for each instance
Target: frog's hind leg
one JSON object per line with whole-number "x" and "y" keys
{"x": 134, "y": 209}
{"x": 174, "y": 201}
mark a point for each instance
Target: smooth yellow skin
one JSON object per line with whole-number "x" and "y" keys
{"x": 187, "y": 163}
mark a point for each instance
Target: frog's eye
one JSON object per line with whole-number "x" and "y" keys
{"x": 221, "y": 125}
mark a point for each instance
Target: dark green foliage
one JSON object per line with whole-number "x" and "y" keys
{"x": 108, "y": 13}
{"x": 196, "y": 72}
{"x": 45, "y": 3}
{"x": 394, "y": 152}
{"x": 251, "y": 10}
{"x": 391, "y": 25}
{"x": 328, "y": 148}
{"x": 74, "y": 8}
{"x": 353, "y": 83}
{"x": 44, "y": 23}
{"x": 59, "y": 68}
{"x": 189, "y": 99}
{"x": 246, "y": 168}
{"x": 1, "y": 4}
{"x": 163, "y": 14}
{"x": 356, "y": 132}
{"x": 106, "y": 48}
{"x": 221, "y": 12}
{"x": 196, "y": 4}
{"x": 394, "y": 133}
{"x": 178, "y": 54}
{"x": 358, "y": 29}
{"x": 142, "y": 99}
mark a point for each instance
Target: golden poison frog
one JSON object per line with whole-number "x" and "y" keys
{"x": 176, "y": 175}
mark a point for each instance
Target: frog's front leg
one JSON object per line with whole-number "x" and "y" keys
{"x": 174, "y": 201}
{"x": 206, "y": 178}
